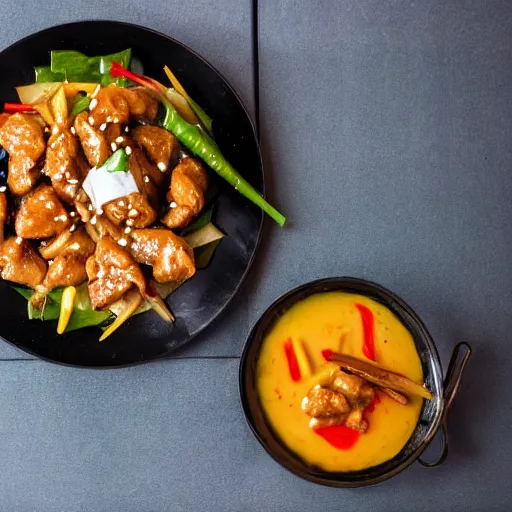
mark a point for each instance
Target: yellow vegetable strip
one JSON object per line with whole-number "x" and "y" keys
{"x": 67, "y": 305}
{"x": 302, "y": 358}
{"x": 132, "y": 306}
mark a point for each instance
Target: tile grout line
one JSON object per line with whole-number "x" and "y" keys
{"x": 256, "y": 65}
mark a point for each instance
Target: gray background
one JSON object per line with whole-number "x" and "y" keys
{"x": 386, "y": 129}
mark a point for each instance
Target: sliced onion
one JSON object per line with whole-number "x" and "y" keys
{"x": 204, "y": 236}
{"x": 132, "y": 304}
{"x": 49, "y": 252}
{"x": 37, "y": 93}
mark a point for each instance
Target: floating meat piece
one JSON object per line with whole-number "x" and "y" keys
{"x": 324, "y": 402}
{"x": 93, "y": 140}
{"x": 22, "y": 137}
{"x": 356, "y": 422}
{"x": 188, "y": 185}
{"x": 20, "y": 263}
{"x": 68, "y": 267}
{"x": 160, "y": 145}
{"x": 356, "y": 390}
{"x": 329, "y": 421}
{"x": 112, "y": 272}
{"x": 65, "y": 165}
{"x": 170, "y": 256}
{"x": 41, "y": 214}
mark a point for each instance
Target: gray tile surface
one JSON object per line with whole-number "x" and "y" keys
{"x": 221, "y": 32}
{"x": 171, "y": 436}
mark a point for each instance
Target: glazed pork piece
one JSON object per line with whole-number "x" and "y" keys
{"x": 20, "y": 263}
{"x": 170, "y": 256}
{"x": 68, "y": 267}
{"x": 65, "y": 165}
{"x": 3, "y": 215}
{"x": 22, "y": 137}
{"x": 112, "y": 272}
{"x": 116, "y": 104}
{"x": 186, "y": 193}
{"x": 41, "y": 214}
{"x": 159, "y": 144}
{"x": 93, "y": 140}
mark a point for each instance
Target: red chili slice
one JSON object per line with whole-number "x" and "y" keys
{"x": 369, "y": 331}
{"x": 293, "y": 364}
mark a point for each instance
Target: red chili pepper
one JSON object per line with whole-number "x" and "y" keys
{"x": 327, "y": 353}
{"x": 293, "y": 364}
{"x": 369, "y": 331}
{"x": 19, "y": 107}
{"x": 339, "y": 436}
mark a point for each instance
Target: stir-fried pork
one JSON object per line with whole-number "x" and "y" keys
{"x": 68, "y": 268}
{"x": 170, "y": 256}
{"x": 132, "y": 210}
{"x": 159, "y": 144}
{"x": 20, "y": 263}
{"x": 93, "y": 140}
{"x": 65, "y": 165}
{"x": 41, "y": 214}
{"x": 116, "y": 104}
{"x": 22, "y": 137}
{"x": 188, "y": 184}
{"x": 112, "y": 272}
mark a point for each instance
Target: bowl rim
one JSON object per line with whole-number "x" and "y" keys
{"x": 325, "y": 479}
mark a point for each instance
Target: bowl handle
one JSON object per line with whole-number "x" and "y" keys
{"x": 458, "y": 361}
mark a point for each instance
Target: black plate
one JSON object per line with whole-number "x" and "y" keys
{"x": 199, "y": 301}
{"x": 432, "y": 415}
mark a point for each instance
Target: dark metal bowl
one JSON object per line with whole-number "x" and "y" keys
{"x": 434, "y": 412}
{"x": 201, "y": 299}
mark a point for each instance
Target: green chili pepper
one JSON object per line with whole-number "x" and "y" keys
{"x": 118, "y": 162}
{"x": 204, "y": 147}
{"x": 197, "y": 141}
{"x": 81, "y": 104}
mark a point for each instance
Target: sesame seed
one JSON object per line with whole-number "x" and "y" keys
{"x": 93, "y": 104}
{"x": 130, "y": 206}
{"x": 127, "y": 230}
{"x": 161, "y": 166}
{"x": 72, "y": 214}
{"x": 103, "y": 127}
{"x": 52, "y": 145}
{"x": 55, "y": 219}
{"x": 173, "y": 204}
{"x": 129, "y": 222}
{"x": 75, "y": 246}
{"x": 146, "y": 179}
{"x": 133, "y": 213}
{"x": 49, "y": 205}
{"x": 127, "y": 129}
{"x": 3, "y": 189}
{"x": 68, "y": 175}
{"x": 72, "y": 130}
{"x": 72, "y": 228}
{"x": 55, "y": 130}
{"x": 19, "y": 240}
{"x": 60, "y": 137}
{"x": 63, "y": 218}
{"x": 113, "y": 146}
{"x": 50, "y": 262}
{"x": 109, "y": 119}
{"x": 116, "y": 120}
{"x": 94, "y": 220}
{"x": 96, "y": 91}
{"x": 121, "y": 203}
{"x": 62, "y": 168}
{"x": 122, "y": 242}
{"x": 72, "y": 182}
{"x": 120, "y": 139}
{"x": 128, "y": 150}
{"x": 46, "y": 129}
{"x": 90, "y": 207}
{"x": 91, "y": 120}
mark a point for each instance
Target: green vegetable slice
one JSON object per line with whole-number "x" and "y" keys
{"x": 201, "y": 221}
{"x": 83, "y": 315}
{"x": 76, "y": 67}
{"x": 80, "y": 105}
{"x": 118, "y": 162}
